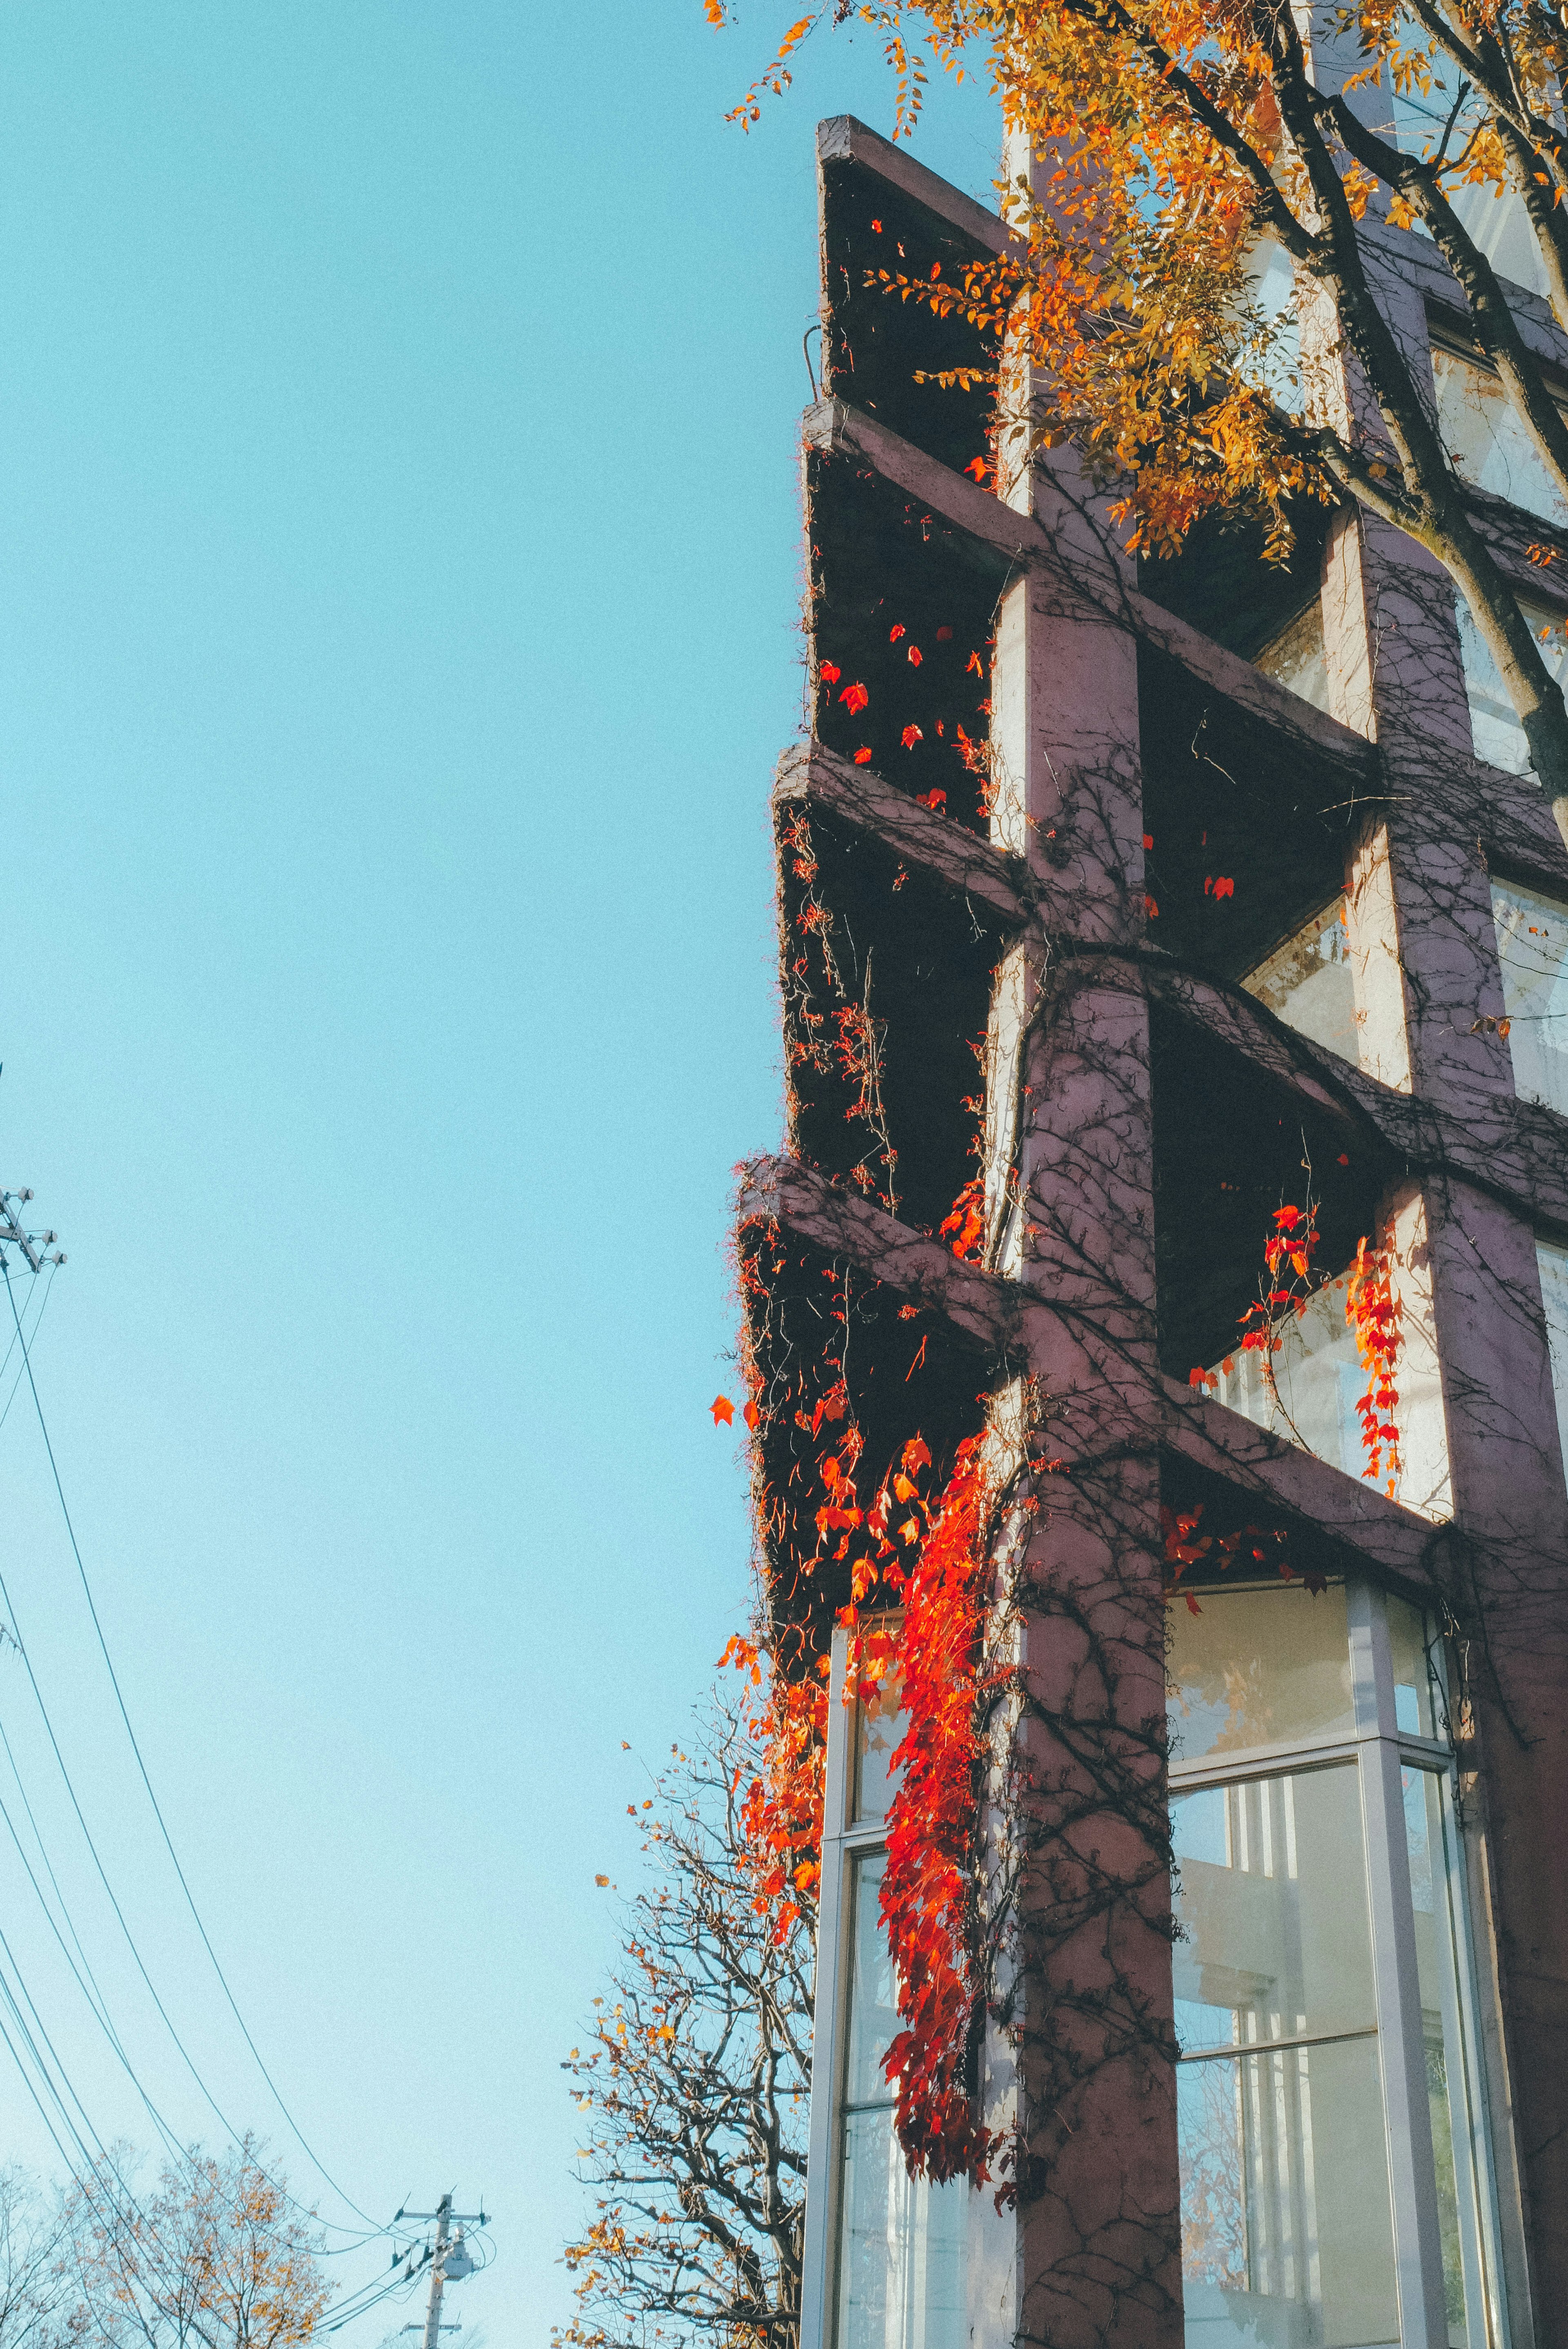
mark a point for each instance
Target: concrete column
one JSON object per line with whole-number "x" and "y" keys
{"x": 1098, "y": 2256}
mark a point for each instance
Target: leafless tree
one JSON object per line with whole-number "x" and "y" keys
{"x": 695, "y": 2078}
{"x": 217, "y": 2258}
{"x": 35, "y": 2267}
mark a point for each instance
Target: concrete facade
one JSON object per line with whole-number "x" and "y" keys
{"x": 1142, "y": 1111}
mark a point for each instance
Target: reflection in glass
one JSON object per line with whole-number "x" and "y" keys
{"x": 878, "y": 1732}
{"x": 902, "y": 2241}
{"x": 1495, "y": 728}
{"x": 1277, "y": 1939}
{"x": 1487, "y": 438}
{"x": 1296, "y": 658}
{"x": 1308, "y": 982}
{"x": 1259, "y": 1668}
{"x": 1533, "y": 948}
{"x": 1286, "y": 2236}
{"x": 1286, "y": 2226}
{"x": 1310, "y": 1389}
{"x": 1553, "y": 1263}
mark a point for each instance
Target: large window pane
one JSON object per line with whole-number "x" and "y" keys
{"x": 1533, "y": 948}
{"x": 1259, "y": 1668}
{"x": 1487, "y": 440}
{"x": 1286, "y": 2229}
{"x": 1430, "y": 1841}
{"x": 902, "y": 2241}
{"x": 1498, "y": 736}
{"x": 1310, "y": 1391}
{"x": 1286, "y": 2240}
{"x": 1271, "y": 1898}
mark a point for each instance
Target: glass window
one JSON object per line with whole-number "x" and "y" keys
{"x": 1533, "y": 948}
{"x": 878, "y": 1732}
{"x": 1297, "y": 658}
{"x": 1553, "y": 1263}
{"x": 1312, "y": 1386}
{"x": 1487, "y": 439}
{"x": 1259, "y": 1668}
{"x": 901, "y": 2240}
{"x": 1287, "y": 2231}
{"x": 1412, "y": 1651}
{"x": 1309, "y": 1392}
{"x": 1308, "y": 982}
{"x": 1286, "y": 2140}
{"x": 1498, "y": 736}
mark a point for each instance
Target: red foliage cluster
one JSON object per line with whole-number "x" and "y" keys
{"x": 1257, "y": 1545}
{"x": 1375, "y": 1313}
{"x": 1371, "y": 1308}
{"x": 781, "y": 1810}
{"x": 967, "y": 1221}
{"x": 928, "y": 1888}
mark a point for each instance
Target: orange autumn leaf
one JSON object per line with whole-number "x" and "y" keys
{"x": 723, "y": 1410}
{"x": 911, "y": 735}
{"x": 829, "y": 674}
{"x": 863, "y": 756}
{"x": 853, "y": 698}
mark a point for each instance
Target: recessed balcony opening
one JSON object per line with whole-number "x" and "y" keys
{"x": 1232, "y": 1145}
{"x": 902, "y": 615}
{"x": 1248, "y": 828}
{"x": 1222, "y": 582}
{"x": 818, "y": 1331}
{"x": 874, "y": 343}
{"x": 887, "y": 982}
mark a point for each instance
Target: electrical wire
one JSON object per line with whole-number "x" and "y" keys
{"x": 166, "y": 2018}
{"x": 157, "y": 1811}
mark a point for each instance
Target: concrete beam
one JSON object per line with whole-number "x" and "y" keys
{"x": 860, "y": 797}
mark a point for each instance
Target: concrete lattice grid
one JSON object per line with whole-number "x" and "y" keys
{"x": 1142, "y": 1113}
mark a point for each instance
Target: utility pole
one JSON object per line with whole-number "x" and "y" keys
{"x": 442, "y": 2252}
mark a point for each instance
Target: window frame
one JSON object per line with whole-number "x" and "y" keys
{"x": 844, "y": 1842}
{"x": 1382, "y": 1750}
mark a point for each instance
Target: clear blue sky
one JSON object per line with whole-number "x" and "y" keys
{"x": 398, "y": 609}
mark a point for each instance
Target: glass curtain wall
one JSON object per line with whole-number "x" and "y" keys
{"x": 1333, "y": 2179}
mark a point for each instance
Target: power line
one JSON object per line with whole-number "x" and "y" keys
{"x": 157, "y": 1810}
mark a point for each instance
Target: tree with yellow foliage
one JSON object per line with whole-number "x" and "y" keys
{"x": 217, "y": 2258}
{"x": 1176, "y": 142}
